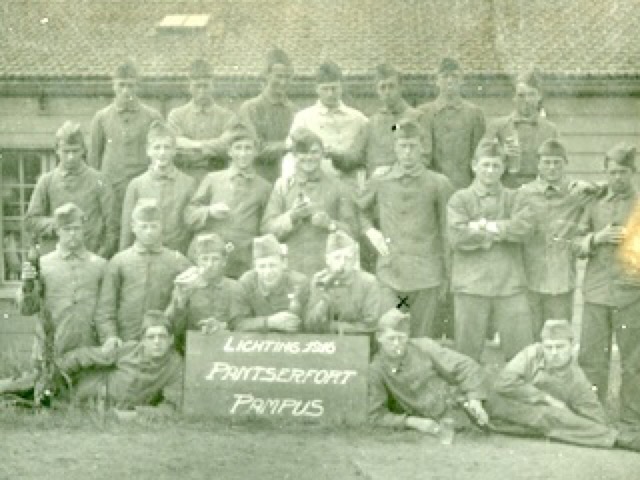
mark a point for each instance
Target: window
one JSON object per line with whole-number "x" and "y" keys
{"x": 183, "y": 23}
{"x": 20, "y": 170}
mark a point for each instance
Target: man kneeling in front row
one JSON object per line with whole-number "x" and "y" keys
{"x": 416, "y": 383}
{"x": 145, "y": 375}
{"x": 543, "y": 392}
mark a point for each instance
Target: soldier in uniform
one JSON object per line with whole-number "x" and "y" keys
{"x": 143, "y": 375}
{"x": 454, "y": 126}
{"x": 611, "y": 288}
{"x": 488, "y": 280}
{"x": 380, "y": 141}
{"x": 75, "y": 182}
{"x": 274, "y": 298}
{"x": 119, "y": 136}
{"x": 523, "y": 131}
{"x": 200, "y": 126}
{"x": 137, "y": 279}
{"x": 271, "y": 114}
{"x": 232, "y": 202}
{"x": 415, "y": 383}
{"x": 410, "y": 203}
{"x": 343, "y": 298}
{"x": 163, "y": 182}
{"x": 304, "y": 208}
{"x": 203, "y": 298}
{"x": 543, "y": 392}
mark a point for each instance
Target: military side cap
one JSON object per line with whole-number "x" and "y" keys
{"x": 146, "y": 210}
{"x": 70, "y": 134}
{"x": 530, "y": 78}
{"x": 241, "y": 131}
{"x": 268, "y": 246}
{"x": 155, "y": 318}
{"x": 622, "y": 154}
{"x": 200, "y": 69}
{"x": 339, "y": 240}
{"x": 277, "y": 56}
{"x": 211, "y": 243}
{"x": 328, "y": 72}
{"x": 67, "y": 214}
{"x": 302, "y": 139}
{"x": 394, "y": 319}
{"x": 160, "y": 129}
{"x": 126, "y": 70}
{"x": 448, "y": 65}
{"x": 552, "y": 148}
{"x": 489, "y": 147}
{"x": 555, "y": 329}
{"x": 407, "y": 128}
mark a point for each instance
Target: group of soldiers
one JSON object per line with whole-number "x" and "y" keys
{"x": 325, "y": 221}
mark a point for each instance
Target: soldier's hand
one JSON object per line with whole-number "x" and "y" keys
{"x": 378, "y": 241}
{"x": 424, "y": 425}
{"x": 301, "y": 211}
{"x": 110, "y": 344}
{"x": 284, "y": 321}
{"x": 611, "y": 234}
{"x": 321, "y": 220}
{"x": 219, "y": 210}
{"x": 475, "y": 408}
{"x": 28, "y": 271}
{"x": 554, "y": 402}
{"x": 211, "y": 325}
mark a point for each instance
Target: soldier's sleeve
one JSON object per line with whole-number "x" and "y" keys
{"x": 521, "y": 219}
{"x": 456, "y": 368}
{"x": 459, "y": 233}
{"x": 38, "y": 219}
{"x": 129, "y": 203}
{"x": 96, "y": 142}
{"x": 174, "y": 121}
{"x": 365, "y": 203}
{"x": 107, "y": 308}
{"x": 277, "y": 219}
{"x": 238, "y": 306}
{"x": 347, "y": 215}
{"x": 317, "y": 314}
{"x": 105, "y": 194}
{"x": 445, "y": 190}
{"x": 372, "y": 305}
{"x": 246, "y": 321}
{"x": 584, "y": 401}
{"x": 353, "y": 156}
{"x": 514, "y": 381}
{"x": 172, "y": 390}
{"x": 583, "y": 241}
{"x": 378, "y": 402}
{"x": 197, "y": 211}
{"x": 85, "y": 357}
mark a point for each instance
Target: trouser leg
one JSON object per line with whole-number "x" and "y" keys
{"x": 544, "y": 306}
{"x": 423, "y": 308}
{"x": 470, "y": 325}
{"x": 513, "y": 320}
{"x": 595, "y": 346}
{"x": 514, "y": 417}
{"x": 627, "y": 328}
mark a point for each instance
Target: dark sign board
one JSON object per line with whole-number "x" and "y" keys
{"x": 277, "y": 376}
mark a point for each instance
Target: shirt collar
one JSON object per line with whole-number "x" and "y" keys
{"x": 543, "y": 186}
{"x": 142, "y": 250}
{"x": 284, "y": 100}
{"x": 442, "y": 102}
{"x": 169, "y": 174}
{"x": 203, "y": 108}
{"x": 398, "y": 172}
{"x": 236, "y": 172}
{"x": 302, "y": 178}
{"x": 517, "y": 118}
{"x": 326, "y": 111}
{"x": 66, "y": 254}
{"x": 483, "y": 191}
{"x": 398, "y": 109}
{"x": 132, "y": 106}
{"x": 71, "y": 173}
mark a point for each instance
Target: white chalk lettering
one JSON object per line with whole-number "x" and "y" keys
{"x": 246, "y": 403}
{"x": 226, "y": 372}
{"x": 233, "y": 345}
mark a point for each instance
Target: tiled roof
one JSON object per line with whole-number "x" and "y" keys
{"x": 87, "y": 38}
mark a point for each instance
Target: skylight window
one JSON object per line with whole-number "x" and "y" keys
{"x": 183, "y": 23}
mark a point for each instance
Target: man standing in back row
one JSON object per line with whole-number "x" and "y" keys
{"x": 119, "y": 136}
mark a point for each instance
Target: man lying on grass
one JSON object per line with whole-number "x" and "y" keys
{"x": 543, "y": 392}
{"x": 144, "y": 376}
{"x": 415, "y": 383}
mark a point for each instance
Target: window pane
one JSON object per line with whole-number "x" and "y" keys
{"x": 10, "y": 163}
